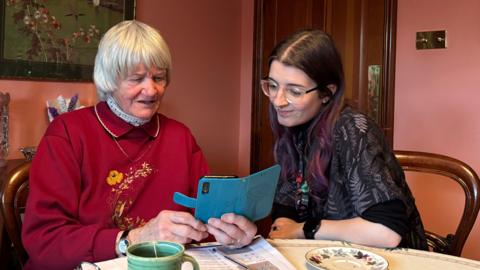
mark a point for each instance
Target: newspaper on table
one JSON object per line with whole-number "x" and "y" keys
{"x": 259, "y": 255}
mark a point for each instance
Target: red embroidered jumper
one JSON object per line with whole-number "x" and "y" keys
{"x": 94, "y": 175}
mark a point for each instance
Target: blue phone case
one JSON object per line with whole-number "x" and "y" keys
{"x": 250, "y": 196}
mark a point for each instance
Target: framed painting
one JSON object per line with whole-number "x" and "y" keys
{"x": 55, "y": 39}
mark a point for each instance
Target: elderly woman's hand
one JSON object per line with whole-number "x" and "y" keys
{"x": 168, "y": 225}
{"x": 232, "y": 230}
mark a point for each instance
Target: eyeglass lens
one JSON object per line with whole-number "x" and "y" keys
{"x": 292, "y": 93}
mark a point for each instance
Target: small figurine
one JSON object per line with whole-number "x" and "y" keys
{"x": 62, "y": 105}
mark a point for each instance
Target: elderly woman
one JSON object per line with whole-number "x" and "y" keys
{"x": 104, "y": 176}
{"x": 340, "y": 180}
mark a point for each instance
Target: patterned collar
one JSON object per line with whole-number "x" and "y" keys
{"x": 117, "y": 127}
{"x": 113, "y": 105}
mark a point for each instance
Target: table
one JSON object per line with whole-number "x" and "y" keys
{"x": 398, "y": 259}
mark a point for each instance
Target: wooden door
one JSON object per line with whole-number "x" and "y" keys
{"x": 364, "y": 34}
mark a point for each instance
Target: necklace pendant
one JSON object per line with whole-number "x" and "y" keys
{"x": 299, "y": 179}
{"x": 139, "y": 155}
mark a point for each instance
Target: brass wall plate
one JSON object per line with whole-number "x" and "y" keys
{"x": 431, "y": 40}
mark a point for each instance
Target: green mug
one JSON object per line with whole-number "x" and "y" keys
{"x": 158, "y": 255}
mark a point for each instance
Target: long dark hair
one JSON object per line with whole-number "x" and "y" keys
{"x": 313, "y": 52}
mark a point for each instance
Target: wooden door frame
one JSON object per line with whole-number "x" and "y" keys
{"x": 388, "y": 76}
{"x": 258, "y": 98}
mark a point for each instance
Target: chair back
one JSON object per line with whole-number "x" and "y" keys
{"x": 13, "y": 200}
{"x": 465, "y": 176}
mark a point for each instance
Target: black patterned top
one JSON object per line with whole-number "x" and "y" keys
{"x": 363, "y": 173}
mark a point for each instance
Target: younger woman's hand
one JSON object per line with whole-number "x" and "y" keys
{"x": 232, "y": 230}
{"x": 287, "y": 229}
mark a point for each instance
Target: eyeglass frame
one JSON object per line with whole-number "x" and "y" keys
{"x": 267, "y": 80}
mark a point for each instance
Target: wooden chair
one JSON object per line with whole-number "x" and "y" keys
{"x": 467, "y": 178}
{"x": 13, "y": 200}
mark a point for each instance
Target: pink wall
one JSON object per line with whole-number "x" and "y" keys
{"x": 437, "y": 100}
{"x": 211, "y": 43}
{"x": 208, "y": 44}
{"x": 28, "y": 116}
{"x": 245, "y": 87}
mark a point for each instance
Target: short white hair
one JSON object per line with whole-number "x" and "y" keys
{"x": 125, "y": 46}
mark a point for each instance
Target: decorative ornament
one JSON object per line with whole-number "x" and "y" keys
{"x": 62, "y": 105}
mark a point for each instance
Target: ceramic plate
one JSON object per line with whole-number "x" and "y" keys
{"x": 345, "y": 258}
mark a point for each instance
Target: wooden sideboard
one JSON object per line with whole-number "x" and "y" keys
{"x": 7, "y": 257}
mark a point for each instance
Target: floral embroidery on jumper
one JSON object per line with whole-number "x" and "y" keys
{"x": 114, "y": 177}
{"x": 122, "y": 182}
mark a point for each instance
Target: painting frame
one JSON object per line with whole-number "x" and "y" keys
{"x": 22, "y": 68}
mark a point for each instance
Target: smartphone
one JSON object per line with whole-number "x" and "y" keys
{"x": 250, "y": 196}
{"x": 206, "y": 185}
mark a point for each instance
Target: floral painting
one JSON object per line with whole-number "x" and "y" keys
{"x": 56, "y": 39}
